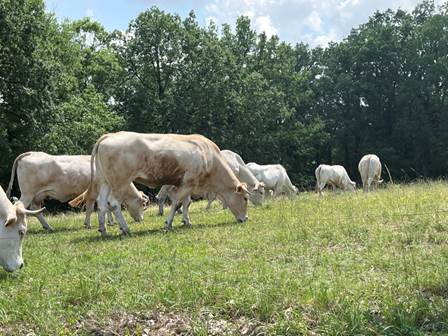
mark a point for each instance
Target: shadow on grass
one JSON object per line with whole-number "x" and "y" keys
{"x": 149, "y": 232}
{"x": 42, "y": 231}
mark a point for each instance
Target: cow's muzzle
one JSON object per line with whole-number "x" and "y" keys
{"x": 242, "y": 220}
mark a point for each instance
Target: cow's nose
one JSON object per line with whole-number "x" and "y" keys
{"x": 21, "y": 266}
{"x": 242, "y": 220}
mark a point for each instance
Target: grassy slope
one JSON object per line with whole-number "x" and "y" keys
{"x": 342, "y": 264}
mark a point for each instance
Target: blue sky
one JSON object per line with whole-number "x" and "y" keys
{"x": 315, "y": 22}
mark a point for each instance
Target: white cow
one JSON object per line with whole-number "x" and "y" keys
{"x": 370, "y": 170}
{"x": 336, "y": 176}
{"x": 236, "y": 163}
{"x": 274, "y": 177}
{"x": 192, "y": 163}
{"x": 12, "y": 231}
{"x": 59, "y": 177}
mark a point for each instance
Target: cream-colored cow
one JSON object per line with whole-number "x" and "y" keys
{"x": 336, "y": 176}
{"x": 370, "y": 170}
{"x": 236, "y": 163}
{"x": 192, "y": 163}
{"x": 274, "y": 177}
{"x": 59, "y": 177}
{"x": 12, "y": 231}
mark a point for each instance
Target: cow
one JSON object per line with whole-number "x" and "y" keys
{"x": 12, "y": 231}
{"x": 236, "y": 163}
{"x": 336, "y": 176}
{"x": 274, "y": 177}
{"x": 370, "y": 170}
{"x": 59, "y": 177}
{"x": 192, "y": 163}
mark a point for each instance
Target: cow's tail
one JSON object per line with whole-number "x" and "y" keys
{"x": 317, "y": 173}
{"x": 13, "y": 172}
{"x": 81, "y": 199}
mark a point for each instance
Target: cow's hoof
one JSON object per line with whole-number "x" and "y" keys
{"x": 103, "y": 233}
{"x": 48, "y": 229}
{"x": 187, "y": 224}
{"x": 168, "y": 227}
{"x": 87, "y": 227}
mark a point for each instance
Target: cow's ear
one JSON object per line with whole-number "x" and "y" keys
{"x": 242, "y": 188}
{"x": 11, "y": 220}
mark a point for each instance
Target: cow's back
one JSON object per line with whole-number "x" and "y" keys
{"x": 369, "y": 166}
{"x": 155, "y": 159}
{"x": 64, "y": 176}
{"x": 268, "y": 174}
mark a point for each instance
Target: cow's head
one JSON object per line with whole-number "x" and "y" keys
{"x": 256, "y": 196}
{"x": 12, "y": 232}
{"x": 351, "y": 186}
{"x": 137, "y": 205}
{"x": 236, "y": 200}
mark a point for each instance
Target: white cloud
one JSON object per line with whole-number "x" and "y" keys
{"x": 264, "y": 24}
{"x": 316, "y": 22}
{"x": 313, "y": 21}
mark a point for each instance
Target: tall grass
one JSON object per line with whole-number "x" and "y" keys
{"x": 342, "y": 264}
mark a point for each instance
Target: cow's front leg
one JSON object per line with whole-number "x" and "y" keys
{"x": 110, "y": 218}
{"x": 211, "y": 196}
{"x": 185, "y": 208}
{"x": 116, "y": 207}
{"x": 176, "y": 198}
{"x": 41, "y": 218}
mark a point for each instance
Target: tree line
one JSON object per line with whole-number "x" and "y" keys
{"x": 380, "y": 90}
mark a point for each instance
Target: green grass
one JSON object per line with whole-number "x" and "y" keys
{"x": 343, "y": 264}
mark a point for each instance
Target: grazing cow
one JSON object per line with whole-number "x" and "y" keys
{"x": 12, "y": 231}
{"x": 165, "y": 193}
{"x": 336, "y": 176}
{"x": 192, "y": 163}
{"x": 59, "y": 177}
{"x": 274, "y": 177}
{"x": 236, "y": 163}
{"x": 370, "y": 170}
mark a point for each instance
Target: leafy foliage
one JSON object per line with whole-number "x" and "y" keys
{"x": 382, "y": 89}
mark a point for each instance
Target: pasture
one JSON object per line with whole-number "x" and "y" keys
{"x": 366, "y": 264}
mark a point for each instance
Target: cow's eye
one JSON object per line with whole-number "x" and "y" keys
{"x": 22, "y": 233}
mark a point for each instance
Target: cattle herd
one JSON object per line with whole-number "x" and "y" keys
{"x": 184, "y": 166}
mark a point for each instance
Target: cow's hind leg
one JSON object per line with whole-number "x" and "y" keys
{"x": 89, "y": 209}
{"x": 102, "y": 208}
{"x": 320, "y": 187}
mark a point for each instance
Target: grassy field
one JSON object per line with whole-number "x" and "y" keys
{"x": 343, "y": 264}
